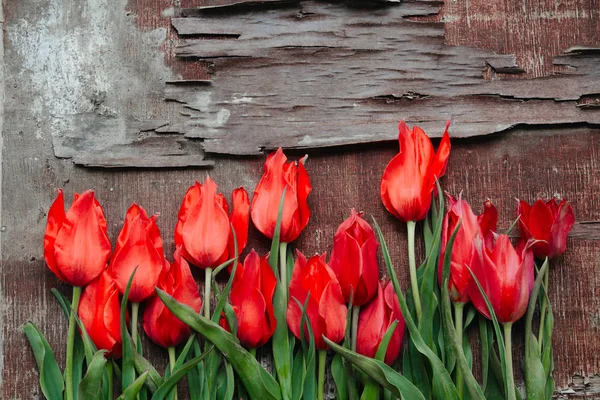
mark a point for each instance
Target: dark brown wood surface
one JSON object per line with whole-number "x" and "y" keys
{"x": 118, "y": 66}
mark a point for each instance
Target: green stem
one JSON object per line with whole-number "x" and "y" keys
{"x": 70, "y": 342}
{"x": 543, "y": 307}
{"x": 510, "y": 379}
{"x": 411, "y": 225}
{"x": 207, "y": 285}
{"x": 321, "y": 381}
{"x": 172, "y": 361}
{"x": 135, "y": 308}
{"x": 355, "y": 314}
{"x": 253, "y": 352}
{"x": 458, "y": 323}
{"x": 109, "y": 370}
{"x": 283, "y": 266}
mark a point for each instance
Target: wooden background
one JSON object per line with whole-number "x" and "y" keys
{"x": 80, "y": 76}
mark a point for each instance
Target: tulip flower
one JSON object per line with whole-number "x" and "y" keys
{"x": 374, "y": 321}
{"x": 471, "y": 225}
{"x": 203, "y": 228}
{"x": 280, "y": 175}
{"x": 409, "y": 179}
{"x": 506, "y": 276}
{"x": 161, "y": 326}
{"x": 251, "y": 298}
{"x": 407, "y": 185}
{"x": 76, "y": 246}
{"x": 325, "y": 309}
{"x": 354, "y": 259}
{"x": 138, "y": 246}
{"x": 547, "y": 222}
{"x": 99, "y": 311}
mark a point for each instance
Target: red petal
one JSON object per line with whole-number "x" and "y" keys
{"x": 190, "y": 201}
{"x": 302, "y": 214}
{"x": 440, "y": 161}
{"x": 564, "y": 221}
{"x": 240, "y": 218}
{"x": 56, "y": 218}
{"x": 206, "y": 228}
{"x": 82, "y": 247}
{"x": 371, "y": 321}
{"x": 333, "y": 312}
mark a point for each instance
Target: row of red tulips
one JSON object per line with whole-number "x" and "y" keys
{"x": 483, "y": 267}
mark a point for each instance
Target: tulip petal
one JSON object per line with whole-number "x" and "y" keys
{"x": 56, "y": 218}
{"x": 563, "y": 222}
{"x": 82, "y": 247}
{"x": 440, "y": 161}
{"x": 371, "y": 323}
{"x": 333, "y": 313}
{"x": 240, "y": 218}
{"x": 190, "y": 201}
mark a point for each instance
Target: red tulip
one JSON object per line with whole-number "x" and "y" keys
{"x": 203, "y": 228}
{"x": 278, "y": 176}
{"x": 374, "y": 321}
{"x": 354, "y": 259}
{"x": 100, "y": 313}
{"x": 76, "y": 246}
{"x": 471, "y": 225}
{"x": 326, "y": 309}
{"x": 409, "y": 179}
{"x": 506, "y": 276}
{"x": 161, "y": 326}
{"x": 138, "y": 246}
{"x": 251, "y": 298}
{"x": 549, "y": 223}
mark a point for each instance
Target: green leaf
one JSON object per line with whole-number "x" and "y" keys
{"x": 258, "y": 382}
{"x": 455, "y": 342}
{"x": 51, "y": 379}
{"x": 89, "y": 387}
{"x": 485, "y": 350}
{"x": 127, "y": 357}
{"x": 131, "y": 392}
{"x": 371, "y": 390}
{"x": 222, "y": 300}
{"x": 380, "y": 372}
{"x": 298, "y": 375}
{"x": 535, "y": 375}
{"x": 64, "y": 303}
{"x": 154, "y": 380}
{"x": 281, "y": 337}
{"x": 338, "y": 372}
{"x": 170, "y": 382}
{"x": 184, "y": 352}
{"x": 443, "y": 387}
{"x": 230, "y": 382}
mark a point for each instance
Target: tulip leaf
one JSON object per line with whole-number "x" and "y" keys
{"x": 453, "y": 340}
{"x": 89, "y": 387}
{"x": 258, "y": 382}
{"x": 184, "y": 352}
{"x": 338, "y": 372}
{"x": 380, "y": 372}
{"x": 298, "y": 375}
{"x": 131, "y": 392}
{"x": 535, "y": 375}
{"x": 310, "y": 381}
{"x": 224, "y": 295}
{"x": 168, "y": 384}
{"x": 281, "y": 337}
{"x": 442, "y": 385}
{"x": 142, "y": 365}
{"x": 429, "y": 301}
{"x": 64, "y": 303}
{"x": 51, "y": 379}
{"x": 371, "y": 390}
{"x": 127, "y": 357}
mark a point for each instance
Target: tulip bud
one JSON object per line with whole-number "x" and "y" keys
{"x": 506, "y": 276}
{"x": 374, "y": 321}
{"x": 354, "y": 259}
{"x": 471, "y": 225}
{"x": 138, "y": 246}
{"x": 547, "y": 222}
{"x": 203, "y": 229}
{"x": 409, "y": 179}
{"x": 325, "y": 308}
{"x": 100, "y": 311}
{"x": 251, "y": 298}
{"x": 278, "y": 176}
{"x": 76, "y": 246}
{"x": 161, "y": 326}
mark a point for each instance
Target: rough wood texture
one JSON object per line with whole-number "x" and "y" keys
{"x": 61, "y": 54}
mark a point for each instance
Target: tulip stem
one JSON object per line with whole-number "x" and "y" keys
{"x": 510, "y": 379}
{"x": 355, "y": 314}
{"x": 109, "y": 371}
{"x": 135, "y": 308}
{"x": 70, "y": 342}
{"x": 411, "y": 225}
{"x": 207, "y": 285}
{"x": 172, "y": 361}
{"x": 252, "y": 351}
{"x": 458, "y": 323}
{"x": 321, "y": 381}
{"x": 283, "y": 266}
{"x": 543, "y": 307}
